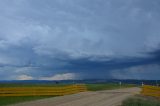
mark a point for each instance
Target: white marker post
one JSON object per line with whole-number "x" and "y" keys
{"x": 120, "y": 83}
{"x": 142, "y": 84}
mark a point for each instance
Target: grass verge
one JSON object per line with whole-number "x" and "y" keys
{"x": 12, "y": 100}
{"x": 141, "y": 101}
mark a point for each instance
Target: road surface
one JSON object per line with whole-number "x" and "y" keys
{"x": 99, "y": 98}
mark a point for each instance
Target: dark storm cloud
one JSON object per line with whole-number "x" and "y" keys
{"x": 89, "y": 38}
{"x": 95, "y": 68}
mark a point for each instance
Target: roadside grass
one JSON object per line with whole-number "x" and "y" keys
{"x": 141, "y": 101}
{"x": 17, "y": 99}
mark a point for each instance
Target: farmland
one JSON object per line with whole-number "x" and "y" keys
{"x": 17, "y": 99}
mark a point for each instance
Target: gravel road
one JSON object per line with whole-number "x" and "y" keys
{"x": 99, "y": 98}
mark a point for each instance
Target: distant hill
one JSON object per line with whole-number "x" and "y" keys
{"x": 139, "y": 82}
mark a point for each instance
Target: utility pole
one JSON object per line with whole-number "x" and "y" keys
{"x": 157, "y": 83}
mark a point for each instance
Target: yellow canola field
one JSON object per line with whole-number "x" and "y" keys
{"x": 151, "y": 91}
{"x": 42, "y": 91}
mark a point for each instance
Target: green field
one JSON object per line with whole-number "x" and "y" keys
{"x": 141, "y": 101}
{"x": 31, "y": 85}
{"x": 109, "y": 86}
{"x": 11, "y": 100}
{"x": 91, "y": 87}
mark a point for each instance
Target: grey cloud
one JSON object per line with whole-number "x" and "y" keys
{"x": 51, "y": 35}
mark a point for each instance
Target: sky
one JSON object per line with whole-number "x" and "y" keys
{"x": 79, "y": 39}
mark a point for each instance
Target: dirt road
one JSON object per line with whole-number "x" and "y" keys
{"x": 99, "y": 98}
